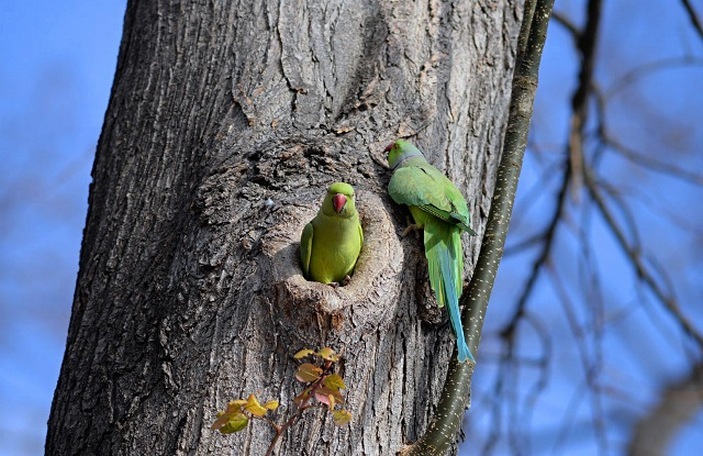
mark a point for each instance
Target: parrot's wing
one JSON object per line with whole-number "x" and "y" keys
{"x": 428, "y": 189}
{"x": 306, "y": 249}
{"x": 361, "y": 235}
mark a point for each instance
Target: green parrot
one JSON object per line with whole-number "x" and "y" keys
{"x": 331, "y": 242}
{"x": 437, "y": 207}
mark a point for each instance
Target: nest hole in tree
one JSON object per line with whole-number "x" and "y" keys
{"x": 318, "y": 309}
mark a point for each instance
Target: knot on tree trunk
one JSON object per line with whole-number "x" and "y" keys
{"x": 316, "y": 313}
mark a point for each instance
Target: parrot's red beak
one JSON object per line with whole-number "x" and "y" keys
{"x": 338, "y": 201}
{"x": 388, "y": 149}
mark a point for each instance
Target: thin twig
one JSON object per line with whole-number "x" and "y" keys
{"x": 586, "y": 42}
{"x": 591, "y": 367}
{"x": 565, "y": 22}
{"x": 586, "y": 45}
{"x": 548, "y": 238}
{"x": 652, "y": 164}
{"x": 637, "y": 261}
{"x": 649, "y": 68}
{"x": 693, "y": 17}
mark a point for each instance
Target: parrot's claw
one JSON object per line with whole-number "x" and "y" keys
{"x": 341, "y": 283}
{"x": 411, "y": 228}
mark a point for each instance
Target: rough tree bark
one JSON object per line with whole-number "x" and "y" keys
{"x": 226, "y": 123}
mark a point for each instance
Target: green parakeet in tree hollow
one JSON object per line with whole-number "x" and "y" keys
{"x": 331, "y": 242}
{"x": 439, "y": 208}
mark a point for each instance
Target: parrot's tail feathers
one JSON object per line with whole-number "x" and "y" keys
{"x": 452, "y": 300}
{"x": 464, "y": 353}
{"x": 445, "y": 264}
{"x": 457, "y": 259}
{"x": 434, "y": 269}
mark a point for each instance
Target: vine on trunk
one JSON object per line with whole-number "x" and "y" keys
{"x": 323, "y": 385}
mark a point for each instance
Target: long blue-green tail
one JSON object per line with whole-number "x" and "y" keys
{"x": 445, "y": 264}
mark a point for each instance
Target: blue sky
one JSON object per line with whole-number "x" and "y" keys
{"x": 58, "y": 63}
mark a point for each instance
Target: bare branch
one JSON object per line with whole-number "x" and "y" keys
{"x": 652, "y": 164}
{"x": 548, "y": 238}
{"x": 636, "y": 258}
{"x": 586, "y": 44}
{"x": 635, "y": 157}
{"x": 443, "y": 428}
{"x": 650, "y": 68}
{"x": 678, "y": 405}
{"x": 591, "y": 365}
{"x": 697, "y": 26}
{"x": 565, "y": 22}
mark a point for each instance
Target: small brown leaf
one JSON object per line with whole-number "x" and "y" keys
{"x": 323, "y": 395}
{"x": 308, "y": 373}
{"x": 221, "y": 420}
{"x": 235, "y": 406}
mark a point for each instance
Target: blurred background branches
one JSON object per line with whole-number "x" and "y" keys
{"x": 595, "y": 326}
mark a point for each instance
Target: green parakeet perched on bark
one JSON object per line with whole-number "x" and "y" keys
{"x": 331, "y": 242}
{"x": 438, "y": 207}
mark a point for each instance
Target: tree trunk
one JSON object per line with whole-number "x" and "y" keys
{"x": 225, "y": 126}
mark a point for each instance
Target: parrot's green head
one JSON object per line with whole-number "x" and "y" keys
{"x": 339, "y": 200}
{"x": 400, "y": 151}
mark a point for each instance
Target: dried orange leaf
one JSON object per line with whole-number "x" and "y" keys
{"x": 308, "y": 373}
{"x": 303, "y": 353}
{"x": 341, "y": 417}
